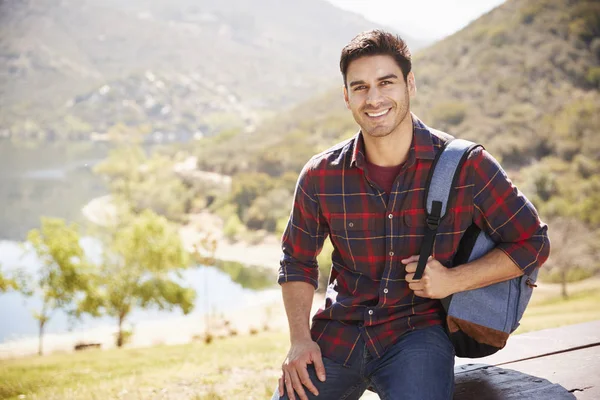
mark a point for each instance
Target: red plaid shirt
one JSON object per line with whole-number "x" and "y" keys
{"x": 372, "y": 231}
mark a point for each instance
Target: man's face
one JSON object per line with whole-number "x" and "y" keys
{"x": 377, "y": 94}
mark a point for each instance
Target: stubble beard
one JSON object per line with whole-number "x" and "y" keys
{"x": 381, "y": 132}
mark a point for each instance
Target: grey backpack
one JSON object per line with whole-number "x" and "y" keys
{"x": 478, "y": 321}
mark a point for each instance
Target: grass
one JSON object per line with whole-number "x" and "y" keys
{"x": 243, "y": 367}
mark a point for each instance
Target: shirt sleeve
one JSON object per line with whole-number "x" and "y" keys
{"x": 506, "y": 215}
{"x": 304, "y": 235}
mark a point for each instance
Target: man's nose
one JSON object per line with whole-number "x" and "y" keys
{"x": 374, "y": 97}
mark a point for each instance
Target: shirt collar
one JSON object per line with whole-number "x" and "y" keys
{"x": 421, "y": 146}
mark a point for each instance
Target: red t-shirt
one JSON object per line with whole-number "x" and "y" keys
{"x": 384, "y": 177}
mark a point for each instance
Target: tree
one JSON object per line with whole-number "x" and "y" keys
{"x": 143, "y": 182}
{"x": 143, "y": 257}
{"x": 62, "y": 273}
{"x": 7, "y": 283}
{"x": 572, "y": 249}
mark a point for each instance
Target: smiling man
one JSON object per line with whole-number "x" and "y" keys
{"x": 379, "y": 328}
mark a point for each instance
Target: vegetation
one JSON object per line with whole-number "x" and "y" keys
{"x": 7, "y": 283}
{"x": 521, "y": 80}
{"x": 143, "y": 256}
{"x": 63, "y": 273}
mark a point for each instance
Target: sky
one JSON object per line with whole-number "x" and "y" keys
{"x": 422, "y": 19}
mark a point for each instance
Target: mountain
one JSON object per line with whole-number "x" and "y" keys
{"x": 523, "y": 80}
{"x": 69, "y": 67}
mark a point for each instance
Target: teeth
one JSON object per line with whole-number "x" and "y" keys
{"x": 378, "y": 114}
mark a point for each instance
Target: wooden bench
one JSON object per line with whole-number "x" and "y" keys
{"x": 559, "y": 363}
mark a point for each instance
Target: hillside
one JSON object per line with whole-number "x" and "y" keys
{"x": 523, "y": 80}
{"x": 211, "y": 61}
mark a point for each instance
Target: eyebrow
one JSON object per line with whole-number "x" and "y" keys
{"x": 383, "y": 78}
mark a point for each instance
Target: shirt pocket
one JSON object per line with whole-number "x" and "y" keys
{"x": 348, "y": 227}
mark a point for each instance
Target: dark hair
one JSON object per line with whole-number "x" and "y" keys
{"x": 376, "y": 42}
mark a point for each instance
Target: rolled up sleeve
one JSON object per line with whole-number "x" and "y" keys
{"x": 506, "y": 215}
{"x": 304, "y": 235}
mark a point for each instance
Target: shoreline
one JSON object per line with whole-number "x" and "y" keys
{"x": 265, "y": 254}
{"x": 265, "y": 311}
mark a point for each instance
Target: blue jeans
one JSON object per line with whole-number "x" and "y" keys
{"x": 419, "y": 366}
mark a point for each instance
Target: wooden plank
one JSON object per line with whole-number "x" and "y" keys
{"x": 533, "y": 344}
{"x": 578, "y": 371}
{"x": 495, "y": 383}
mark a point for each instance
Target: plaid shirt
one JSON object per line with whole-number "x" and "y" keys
{"x": 372, "y": 232}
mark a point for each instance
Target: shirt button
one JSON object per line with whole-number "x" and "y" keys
{"x": 385, "y": 290}
{"x": 390, "y": 216}
{"x": 391, "y": 253}
{"x": 370, "y": 312}
{"x": 351, "y": 224}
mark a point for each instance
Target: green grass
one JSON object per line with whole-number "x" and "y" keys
{"x": 242, "y": 367}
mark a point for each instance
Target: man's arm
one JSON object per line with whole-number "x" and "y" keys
{"x": 298, "y": 298}
{"x": 505, "y": 214}
{"x": 440, "y": 282}
{"x": 298, "y": 276}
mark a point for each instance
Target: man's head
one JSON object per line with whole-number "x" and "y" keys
{"x": 373, "y": 43}
{"x": 378, "y": 81}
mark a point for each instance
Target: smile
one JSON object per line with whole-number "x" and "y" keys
{"x": 379, "y": 114}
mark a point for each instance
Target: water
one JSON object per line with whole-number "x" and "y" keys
{"x": 16, "y": 320}
{"x": 56, "y": 180}
{"x": 53, "y": 179}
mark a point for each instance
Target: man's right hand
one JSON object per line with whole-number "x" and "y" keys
{"x": 295, "y": 373}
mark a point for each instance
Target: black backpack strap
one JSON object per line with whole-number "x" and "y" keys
{"x": 443, "y": 175}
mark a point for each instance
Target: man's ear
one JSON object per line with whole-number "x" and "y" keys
{"x": 346, "y": 100}
{"x": 412, "y": 86}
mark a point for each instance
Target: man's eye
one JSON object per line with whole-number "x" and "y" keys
{"x": 357, "y": 88}
{"x": 386, "y": 82}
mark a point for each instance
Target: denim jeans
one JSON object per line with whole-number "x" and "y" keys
{"x": 419, "y": 366}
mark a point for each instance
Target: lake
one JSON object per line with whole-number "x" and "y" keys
{"x": 56, "y": 179}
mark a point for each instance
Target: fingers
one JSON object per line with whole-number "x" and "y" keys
{"x": 410, "y": 259}
{"x": 281, "y": 386}
{"x": 288, "y": 386}
{"x": 319, "y": 368}
{"x": 305, "y": 379}
{"x": 297, "y": 385}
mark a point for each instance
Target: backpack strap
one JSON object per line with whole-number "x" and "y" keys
{"x": 443, "y": 176}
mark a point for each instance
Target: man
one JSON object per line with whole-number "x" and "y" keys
{"x": 380, "y": 328}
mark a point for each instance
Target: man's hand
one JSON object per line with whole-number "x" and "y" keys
{"x": 295, "y": 373}
{"x": 436, "y": 282}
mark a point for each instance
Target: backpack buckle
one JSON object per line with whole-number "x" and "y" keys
{"x": 433, "y": 222}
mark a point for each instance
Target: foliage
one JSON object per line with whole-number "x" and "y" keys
{"x": 249, "y": 276}
{"x": 63, "y": 272}
{"x": 325, "y": 265}
{"x": 7, "y": 283}
{"x": 145, "y": 182}
{"x": 141, "y": 265}
{"x": 573, "y": 247}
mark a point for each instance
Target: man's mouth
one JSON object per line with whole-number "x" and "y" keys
{"x": 378, "y": 114}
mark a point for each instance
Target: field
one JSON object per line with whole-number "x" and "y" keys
{"x": 238, "y": 367}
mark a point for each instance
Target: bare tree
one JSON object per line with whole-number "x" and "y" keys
{"x": 572, "y": 247}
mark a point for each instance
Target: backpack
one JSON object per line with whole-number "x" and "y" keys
{"x": 478, "y": 321}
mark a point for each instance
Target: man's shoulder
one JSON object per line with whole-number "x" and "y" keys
{"x": 334, "y": 156}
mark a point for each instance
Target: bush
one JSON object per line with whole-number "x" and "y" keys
{"x": 593, "y": 76}
{"x": 451, "y": 113}
{"x": 324, "y": 261}
{"x": 233, "y": 227}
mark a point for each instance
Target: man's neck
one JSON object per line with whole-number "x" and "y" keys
{"x": 392, "y": 149}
